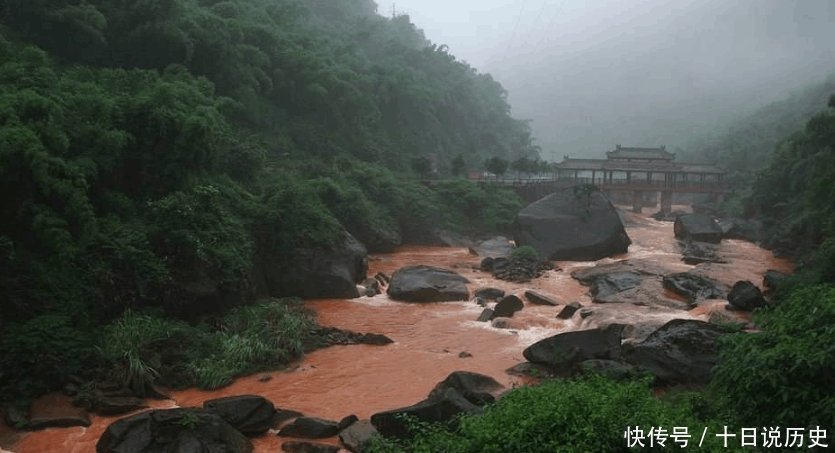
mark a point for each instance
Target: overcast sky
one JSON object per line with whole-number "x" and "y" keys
{"x": 594, "y": 73}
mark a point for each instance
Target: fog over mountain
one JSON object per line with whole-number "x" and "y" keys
{"x": 591, "y": 74}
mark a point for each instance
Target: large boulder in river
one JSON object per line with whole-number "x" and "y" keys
{"x": 249, "y": 414}
{"x": 495, "y": 247}
{"x": 745, "y": 296}
{"x": 693, "y": 286}
{"x": 427, "y": 284}
{"x": 680, "y": 351}
{"x": 476, "y": 388}
{"x": 440, "y": 408}
{"x": 572, "y": 224}
{"x": 697, "y": 227}
{"x": 174, "y": 430}
{"x": 564, "y": 350}
{"x": 314, "y": 272}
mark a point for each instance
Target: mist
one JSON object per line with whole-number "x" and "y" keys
{"x": 593, "y": 74}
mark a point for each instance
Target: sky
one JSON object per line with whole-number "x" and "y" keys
{"x": 591, "y": 74}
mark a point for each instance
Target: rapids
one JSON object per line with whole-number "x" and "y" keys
{"x": 361, "y": 379}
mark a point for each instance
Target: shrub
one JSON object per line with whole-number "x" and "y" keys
{"x": 525, "y": 253}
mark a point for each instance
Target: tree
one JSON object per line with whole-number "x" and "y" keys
{"x": 496, "y": 165}
{"x": 458, "y": 166}
{"x": 422, "y": 166}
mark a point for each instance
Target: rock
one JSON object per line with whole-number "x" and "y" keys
{"x": 427, "y": 284}
{"x": 693, "y": 286}
{"x": 250, "y": 414}
{"x": 265, "y": 378}
{"x": 710, "y": 209}
{"x": 667, "y": 216}
{"x": 310, "y": 428}
{"x": 372, "y": 287}
{"x": 314, "y": 273}
{"x": 568, "y": 311}
{"x": 347, "y": 421}
{"x": 173, "y": 430}
{"x": 699, "y": 252}
{"x": 563, "y": 350}
{"x": 745, "y": 296}
{"x": 528, "y": 369}
{"x": 507, "y": 307}
{"x": 375, "y": 339}
{"x": 773, "y": 279}
{"x": 680, "y": 351}
{"x": 612, "y": 369}
{"x": 501, "y": 323}
{"x": 382, "y": 278}
{"x": 487, "y": 264}
{"x": 476, "y": 388}
{"x": 489, "y": 293}
{"x": 697, "y": 227}
{"x": 724, "y": 319}
{"x": 357, "y": 436}
{"x": 52, "y": 411}
{"x": 431, "y": 410}
{"x": 540, "y": 299}
{"x": 586, "y": 312}
{"x": 300, "y": 446}
{"x": 464, "y": 355}
{"x": 572, "y": 224}
{"x": 117, "y": 405}
{"x": 283, "y": 415}
{"x": 480, "y": 302}
{"x": 608, "y": 285}
{"x": 14, "y": 417}
{"x": 486, "y": 315}
{"x": 496, "y": 247}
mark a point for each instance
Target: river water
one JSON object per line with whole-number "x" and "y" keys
{"x": 361, "y": 379}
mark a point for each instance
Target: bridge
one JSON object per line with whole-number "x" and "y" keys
{"x": 643, "y": 172}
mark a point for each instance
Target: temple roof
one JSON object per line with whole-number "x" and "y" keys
{"x": 661, "y": 167}
{"x": 640, "y": 153}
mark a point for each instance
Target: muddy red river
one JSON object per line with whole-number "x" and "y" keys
{"x": 361, "y": 379}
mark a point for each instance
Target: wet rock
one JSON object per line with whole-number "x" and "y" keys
{"x": 736, "y": 228}
{"x": 487, "y": 264}
{"x": 486, "y": 315}
{"x": 480, "y": 302}
{"x": 697, "y": 227}
{"x": 568, "y": 311}
{"x": 427, "y": 284}
{"x": 347, "y": 421}
{"x": 699, "y": 252}
{"x": 496, "y": 247}
{"x": 722, "y": 318}
{"x": 586, "y": 312}
{"x": 573, "y": 224}
{"x": 284, "y": 415}
{"x": 526, "y": 369}
{"x": 667, "y": 216}
{"x": 250, "y": 414}
{"x": 519, "y": 269}
{"x": 476, "y": 388}
{"x": 315, "y": 273}
{"x": 357, "y": 436}
{"x": 680, "y": 351}
{"x": 14, "y": 417}
{"x": 265, "y": 378}
{"x": 174, "y": 430}
{"x": 501, "y": 323}
{"x": 773, "y": 279}
{"x": 55, "y": 413}
{"x": 745, "y": 296}
{"x": 605, "y": 286}
{"x": 375, "y": 339}
{"x": 117, "y": 405}
{"x": 563, "y": 350}
{"x": 432, "y": 410}
{"x": 612, "y": 369}
{"x": 371, "y": 287}
{"x": 464, "y": 355}
{"x": 507, "y": 307}
{"x": 694, "y": 287}
{"x": 300, "y": 446}
{"x": 382, "y": 278}
{"x": 540, "y": 299}
{"x": 489, "y": 293}
{"x": 310, "y": 428}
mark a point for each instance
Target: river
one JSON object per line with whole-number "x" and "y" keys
{"x": 361, "y": 379}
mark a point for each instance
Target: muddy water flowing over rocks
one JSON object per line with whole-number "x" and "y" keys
{"x": 431, "y": 340}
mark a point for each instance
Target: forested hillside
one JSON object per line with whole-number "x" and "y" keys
{"x": 157, "y": 153}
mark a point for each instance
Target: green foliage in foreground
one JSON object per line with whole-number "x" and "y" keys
{"x": 785, "y": 374}
{"x": 589, "y": 414}
{"x": 142, "y": 349}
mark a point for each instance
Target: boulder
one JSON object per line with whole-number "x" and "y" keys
{"x": 347, "y": 421}
{"x": 773, "y": 279}
{"x": 612, "y": 369}
{"x": 441, "y": 408}
{"x": 568, "y": 311}
{"x": 283, "y": 415}
{"x": 697, "y": 227}
{"x": 174, "y": 430}
{"x": 496, "y": 247}
{"x": 375, "y": 339}
{"x": 735, "y": 228}
{"x": 476, "y": 388}
{"x": 577, "y": 224}
{"x": 699, "y": 252}
{"x": 693, "y": 286}
{"x": 300, "y": 446}
{"x": 427, "y": 284}
{"x": 506, "y": 307}
{"x": 562, "y": 351}
{"x": 357, "y": 436}
{"x": 117, "y": 405}
{"x": 540, "y": 299}
{"x": 250, "y": 414}
{"x": 310, "y": 428}
{"x": 745, "y": 296}
{"x": 608, "y": 285}
{"x": 489, "y": 293}
{"x": 371, "y": 287}
{"x": 315, "y": 273}
{"x": 680, "y": 351}
{"x": 501, "y": 323}
{"x": 486, "y": 315}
